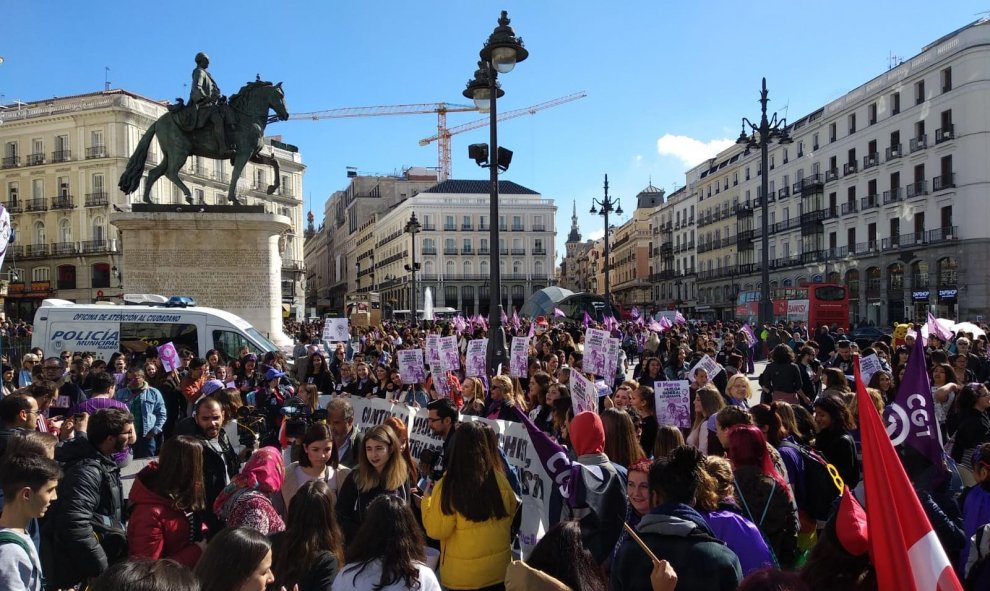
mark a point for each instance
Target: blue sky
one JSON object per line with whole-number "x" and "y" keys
{"x": 666, "y": 81}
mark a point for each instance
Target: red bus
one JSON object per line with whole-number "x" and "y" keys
{"x": 813, "y": 303}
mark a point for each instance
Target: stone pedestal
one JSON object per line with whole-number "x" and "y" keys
{"x": 222, "y": 258}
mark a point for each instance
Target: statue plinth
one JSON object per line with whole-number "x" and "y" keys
{"x": 227, "y": 260}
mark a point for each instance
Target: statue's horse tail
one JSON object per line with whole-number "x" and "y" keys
{"x": 131, "y": 179}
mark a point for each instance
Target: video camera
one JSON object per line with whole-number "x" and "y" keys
{"x": 298, "y": 418}
{"x": 252, "y": 425}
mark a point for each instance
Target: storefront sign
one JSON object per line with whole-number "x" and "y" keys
{"x": 920, "y": 294}
{"x": 948, "y": 293}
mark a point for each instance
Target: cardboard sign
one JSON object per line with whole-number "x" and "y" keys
{"x": 595, "y": 351}
{"x": 711, "y": 367}
{"x": 476, "y": 351}
{"x": 449, "y": 356}
{"x": 584, "y": 395}
{"x": 336, "y": 330}
{"x": 169, "y": 357}
{"x": 518, "y": 357}
{"x": 612, "y": 359}
{"x": 673, "y": 403}
{"x": 411, "y": 367}
{"x": 868, "y": 366}
{"x": 432, "y": 348}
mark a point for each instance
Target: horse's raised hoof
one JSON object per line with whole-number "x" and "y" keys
{"x": 234, "y": 201}
{"x": 189, "y": 199}
{"x": 272, "y": 189}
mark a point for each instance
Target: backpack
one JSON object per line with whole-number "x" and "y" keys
{"x": 820, "y": 486}
{"x": 7, "y": 537}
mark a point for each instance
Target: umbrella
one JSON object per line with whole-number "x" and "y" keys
{"x": 968, "y": 327}
{"x": 944, "y": 324}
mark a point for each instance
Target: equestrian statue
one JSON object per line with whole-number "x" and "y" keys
{"x": 209, "y": 126}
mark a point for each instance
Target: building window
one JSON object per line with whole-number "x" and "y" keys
{"x": 66, "y": 277}
{"x": 39, "y": 232}
{"x": 895, "y": 103}
{"x": 871, "y": 114}
{"x": 831, "y": 132}
{"x": 946, "y": 79}
{"x": 919, "y": 92}
{"x": 41, "y": 274}
{"x": 852, "y": 123}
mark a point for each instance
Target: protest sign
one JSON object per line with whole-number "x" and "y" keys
{"x": 169, "y": 357}
{"x": 518, "y": 358}
{"x": 868, "y": 366}
{"x": 673, "y": 403}
{"x": 612, "y": 360}
{"x": 476, "y": 351}
{"x": 432, "y": 348}
{"x": 411, "y": 367}
{"x": 449, "y": 356}
{"x": 711, "y": 367}
{"x": 336, "y": 330}
{"x": 595, "y": 351}
{"x": 584, "y": 395}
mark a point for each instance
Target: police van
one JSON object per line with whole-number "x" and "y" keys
{"x": 146, "y": 320}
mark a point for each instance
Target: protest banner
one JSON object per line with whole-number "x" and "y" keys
{"x": 513, "y": 440}
{"x": 595, "y": 351}
{"x": 868, "y": 366}
{"x": 518, "y": 358}
{"x": 584, "y": 395}
{"x": 711, "y": 367}
{"x": 448, "y": 355}
{"x": 432, "y": 348}
{"x": 336, "y": 330}
{"x": 411, "y": 367}
{"x": 476, "y": 351}
{"x": 169, "y": 357}
{"x": 612, "y": 360}
{"x": 673, "y": 403}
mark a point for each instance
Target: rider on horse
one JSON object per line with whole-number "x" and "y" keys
{"x": 208, "y": 106}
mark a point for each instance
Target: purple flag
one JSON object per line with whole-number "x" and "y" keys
{"x": 750, "y": 337}
{"x": 552, "y": 456}
{"x": 634, "y": 312}
{"x": 505, "y": 319}
{"x": 679, "y": 318}
{"x": 640, "y": 321}
{"x": 515, "y": 321}
{"x": 586, "y": 320}
{"x": 532, "y": 329}
{"x": 558, "y": 313}
{"x": 937, "y": 329}
{"x": 911, "y": 417}
{"x": 655, "y": 326}
{"x": 664, "y": 323}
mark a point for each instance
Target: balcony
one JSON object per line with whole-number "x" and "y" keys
{"x": 942, "y": 234}
{"x": 14, "y": 206}
{"x": 539, "y": 251}
{"x": 831, "y": 175}
{"x": 518, "y": 228}
{"x": 450, "y": 228}
{"x": 666, "y": 247}
{"x": 946, "y": 181}
{"x": 11, "y": 161}
{"x": 63, "y": 202}
{"x": 893, "y": 195}
{"x": 871, "y": 160}
{"x": 783, "y": 192}
{"x": 518, "y": 251}
{"x": 467, "y": 228}
{"x": 96, "y": 152}
{"x": 813, "y": 217}
{"x": 467, "y": 250}
{"x": 450, "y": 251}
{"x": 431, "y": 250}
{"x": 503, "y": 251}
{"x": 35, "y": 251}
{"x": 37, "y": 204}
{"x": 35, "y": 159}
{"x": 97, "y": 199}
{"x": 868, "y": 202}
{"x": 539, "y": 228}
{"x": 917, "y": 189}
{"x": 483, "y": 227}
{"x": 484, "y": 250}
{"x": 95, "y": 246}
{"x": 849, "y": 168}
{"x": 849, "y": 207}
{"x": 919, "y": 143}
{"x": 894, "y": 152}
{"x": 945, "y": 134}
{"x": 429, "y": 228}
{"x": 61, "y": 155}
{"x": 63, "y": 248}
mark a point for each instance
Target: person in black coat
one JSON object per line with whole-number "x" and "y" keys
{"x": 832, "y": 423}
{"x": 974, "y": 422}
{"x": 90, "y": 502}
{"x": 319, "y": 374}
{"x": 311, "y": 549}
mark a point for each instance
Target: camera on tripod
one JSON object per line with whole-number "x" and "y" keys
{"x": 252, "y": 425}
{"x": 298, "y": 418}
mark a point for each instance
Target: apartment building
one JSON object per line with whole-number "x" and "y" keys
{"x": 672, "y": 257}
{"x": 629, "y": 253}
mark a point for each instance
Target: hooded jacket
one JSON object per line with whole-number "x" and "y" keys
{"x": 90, "y": 489}
{"x": 156, "y": 528}
{"x": 676, "y": 533}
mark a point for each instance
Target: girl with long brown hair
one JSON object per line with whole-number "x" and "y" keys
{"x": 621, "y": 441}
{"x": 381, "y": 470}
{"x": 317, "y": 461}
{"x": 311, "y": 549}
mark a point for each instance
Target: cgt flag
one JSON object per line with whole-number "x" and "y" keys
{"x": 904, "y": 549}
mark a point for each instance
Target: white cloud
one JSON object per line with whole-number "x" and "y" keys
{"x": 597, "y": 234}
{"x": 688, "y": 150}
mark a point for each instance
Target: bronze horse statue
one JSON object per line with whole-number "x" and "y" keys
{"x": 248, "y": 110}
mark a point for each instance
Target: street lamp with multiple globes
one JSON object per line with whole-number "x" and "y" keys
{"x": 412, "y": 228}
{"x": 603, "y": 207}
{"x": 501, "y": 52}
{"x": 760, "y": 137}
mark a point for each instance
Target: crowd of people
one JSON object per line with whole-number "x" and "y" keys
{"x": 753, "y": 492}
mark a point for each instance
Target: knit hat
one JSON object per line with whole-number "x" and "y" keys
{"x": 212, "y": 386}
{"x": 587, "y": 434}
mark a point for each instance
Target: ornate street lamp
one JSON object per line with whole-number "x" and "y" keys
{"x": 412, "y": 228}
{"x": 760, "y": 137}
{"x": 603, "y": 207}
{"x": 501, "y": 52}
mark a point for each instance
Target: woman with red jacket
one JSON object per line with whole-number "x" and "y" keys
{"x": 164, "y": 500}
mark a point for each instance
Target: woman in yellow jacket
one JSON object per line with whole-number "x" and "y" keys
{"x": 470, "y": 511}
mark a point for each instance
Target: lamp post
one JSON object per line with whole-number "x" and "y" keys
{"x": 761, "y": 136}
{"x": 412, "y": 228}
{"x": 499, "y": 55}
{"x": 603, "y": 207}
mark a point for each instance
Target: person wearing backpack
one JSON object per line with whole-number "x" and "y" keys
{"x": 29, "y": 486}
{"x": 783, "y": 380}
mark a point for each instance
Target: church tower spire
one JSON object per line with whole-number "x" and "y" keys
{"x": 575, "y": 234}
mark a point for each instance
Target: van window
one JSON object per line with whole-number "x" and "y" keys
{"x": 231, "y": 342}
{"x": 135, "y": 337}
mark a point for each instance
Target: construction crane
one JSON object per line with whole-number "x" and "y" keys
{"x": 443, "y": 134}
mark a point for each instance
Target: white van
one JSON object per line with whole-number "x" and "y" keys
{"x": 103, "y": 330}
